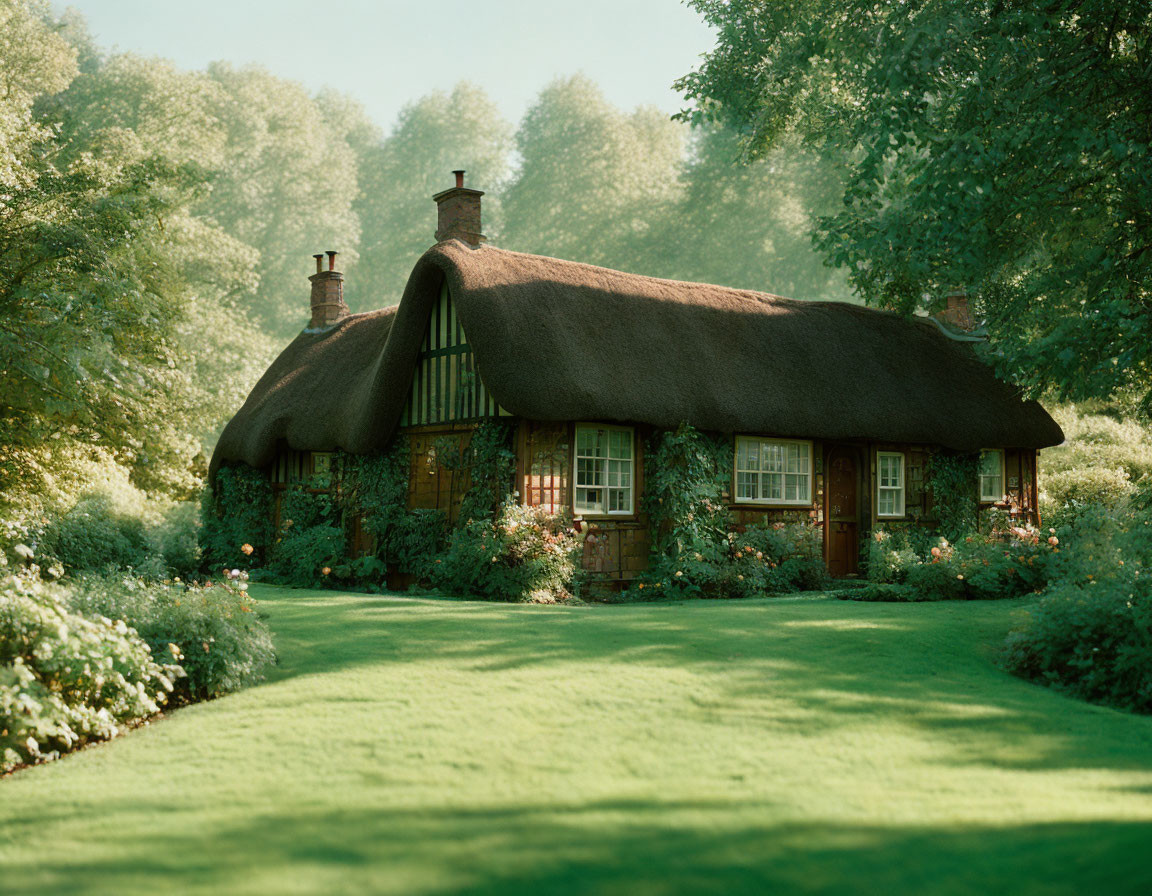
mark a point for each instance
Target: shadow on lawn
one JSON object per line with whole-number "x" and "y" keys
{"x": 617, "y": 847}
{"x": 830, "y": 662}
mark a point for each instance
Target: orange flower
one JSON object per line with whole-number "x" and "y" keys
{"x": 327, "y": 570}
{"x": 246, "y": 549}
{"x": 1053, "y": 541}
{"x": 935, "y": 552}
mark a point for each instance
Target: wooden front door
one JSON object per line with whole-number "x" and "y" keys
{"x": 842, "y": 511}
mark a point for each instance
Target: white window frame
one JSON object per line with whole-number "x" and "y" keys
{"x": 606, "y": 473}
{"x": 1001, "y": 492}
{"x": 762, "y": 474}
{"x": 900, "y": 488}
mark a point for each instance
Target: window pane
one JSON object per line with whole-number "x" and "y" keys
{"x": 589, "y": 441}
{"x": 747, "y": 485}
{"x": 589, "y": 471}
{"x": 772, "y": 457}
{"x": 588, "y": 500}
{"x": 773, "y": 486}
{"x": 751, "y": 459}
{"x": 620, "y": 443}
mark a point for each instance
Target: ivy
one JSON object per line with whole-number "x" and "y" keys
{"x": 375, "y": 486}
{"x": 236, "y": 516}
{"x": 697, "y": 550}
{"x": 312, "y": 538}
{"x": 953, "y": 478}
{"x": 491, "y": 466}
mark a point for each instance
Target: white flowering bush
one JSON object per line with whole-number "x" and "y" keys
{"x": 220, "y": 640}
{"x": 67, "y": 679}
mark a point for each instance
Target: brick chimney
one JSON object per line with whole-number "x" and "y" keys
{"x": 956, "y": 312}
{"x": 458, "y": 214}
{"x": 328, "y": 306}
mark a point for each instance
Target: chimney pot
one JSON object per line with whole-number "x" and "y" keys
{"x": 458, "y": 213}
{"x": 331, "y": 253}
{"x": 319, "y": 257}
{"x": 956, "y": 312}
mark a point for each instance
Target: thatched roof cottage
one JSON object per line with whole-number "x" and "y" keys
{"x": 832, "y": 409}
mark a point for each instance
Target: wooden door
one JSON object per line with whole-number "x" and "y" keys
{"x": 842, "y": 511}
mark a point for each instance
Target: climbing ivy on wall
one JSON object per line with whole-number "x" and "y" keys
{"x": 375, "y": 486}
{"x": 954, "y": 478}
{"x": 697, "y": 550}
{"x": 490, "y": 462}
{"x": 236, "y": 519}
{"x": 312, "y": 538}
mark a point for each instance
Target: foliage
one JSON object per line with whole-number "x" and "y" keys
{"x": 66, "y": 679}
{"x": 954, "y": 478}
{"x": 376, "y": 487}
{"x": 592, "y": 178}
{"x": 1091, "y": 640}
{"x": 311, "y": 539}
{"x": 1106, "y": 454}
{"x": 490, "y": 464}
{"x": 1008, "y": 562}
{"x": 432, "y": 136}
{"x": 524, "y": 554}
{"x": 236, "y": 511}
{"x": 747, "y": 225}
{"x": 943, "y": 111}
{"x": 696, "y": 550}
{"x": 223, "y": 645}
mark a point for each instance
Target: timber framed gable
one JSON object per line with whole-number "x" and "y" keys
{"x": 446, "y": 384}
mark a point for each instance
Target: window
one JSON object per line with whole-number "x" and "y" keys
{"x": 771, "y": 471}
{"x": 603, "y": 469}
{"x": 889, "y": 483}
{"x": 992, "y": 475}
{"x": 321, "y": 463}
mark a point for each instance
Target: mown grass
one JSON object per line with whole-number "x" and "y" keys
{"x": 433, "y": 746}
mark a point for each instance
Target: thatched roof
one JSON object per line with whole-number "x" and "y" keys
{"x": 558, "y": 340}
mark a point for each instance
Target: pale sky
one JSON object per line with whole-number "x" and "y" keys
{"x": 388, "y": 53}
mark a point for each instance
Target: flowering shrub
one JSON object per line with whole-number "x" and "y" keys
{"x": 890, "y": 556}
{"x": 66, "y": 679}
{"x": 772, "y": 558}
{"x": 221, "y": 642}
{"x": 524, "y": 554}
{"x": 1006, "y": 563}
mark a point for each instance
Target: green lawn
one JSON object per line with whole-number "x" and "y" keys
{"x": 431, "y": 746}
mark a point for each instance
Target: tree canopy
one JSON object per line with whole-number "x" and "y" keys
{"x": 1003, "y": 147}
{"x": 157, "y": 226}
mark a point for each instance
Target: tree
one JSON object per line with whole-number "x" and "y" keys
{"x": 1003, "y": 147}
{"x": 433, "y": 136}
{"x": 750, "y": 225}
{"x": 288, "y": 186}
{"x": 592, "y": 179}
